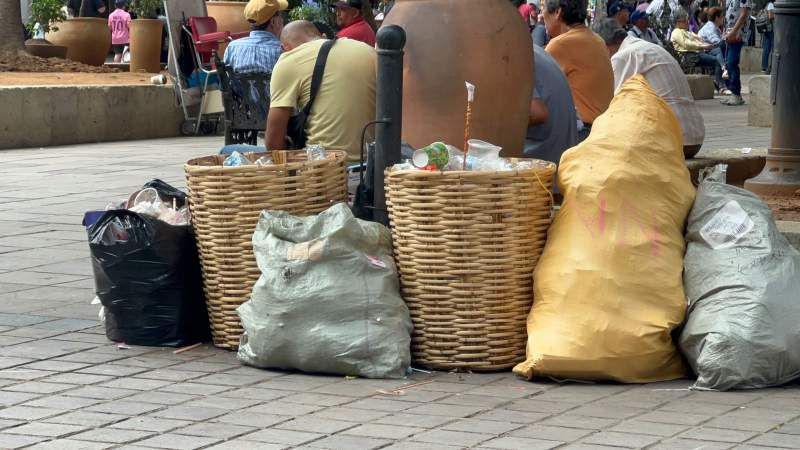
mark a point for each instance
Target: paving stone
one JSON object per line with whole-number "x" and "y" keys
{"x": 21, "y": 320}
{"x": 62, "y": 402}
{"x": 344, "y": 442}
{"x": 384, "y": 431}
{"x": 225, "y": 379}
{"x": 70, "y": 444}
{"x": 446, "y": 410}
{"x": 38, "y": 387}
{"x": 100, "y": 393}
{"x": 481, "y": 426}
{"x": 86, "y": 418}
{"x": 77, "y": 378}
{"x": 316, "y": 425}
{"x": 734, "y": 422}
{"x": 791, "y": 428}
{"x": 674, "y": 418}
{"x": 139, "y": 384}
{"x": 607, "y": 411}
{"x": 380, "y": 404}
{"x": 6, "y": 341}
{"x": 240, "y": 444}
{"x": 551, "y": 433}
{"x": 691, "y": 444}
{"x": 8, "y": 361}
{"x": 112, "y": 370}
{"x": 12, "y": 398}
{"x": 90, "y": 357}
{"x": 252, "y": 419}
{"x": 230, "y": 404}
{"x": 296, "y": 382}
{"x": 414, "y": 420}
{"x": 651, "y": 428}
{"x": 194, "y": 388}
{"x": 13, "y": 441}
{"x": 123, "y": 407}
{"x": 161, "y": 398}
{"x": 288, "y": 409}
{"x": 540, "y": 406}
{"x": 203, "y": 366}
{"x": 287, "y": 437}
{"x": 449, "y": 437}
{"x": 66, "y": 324}
{"x": 470, "y": 400}
{"x": 147, "y": 363}
{"x": 777, "y": 440}
{"x": 256, "y": 393}
{"x": 507, "y": 415}
{"x": 157, "y": 425}
{"x": 177, "y": 441}
{"x": 697, "y": 407}
{"x": 517, "y": 443}
{"x": 215, "y": 430}
{"x": 45, "y": 429}
{"x": 28, "y": 413}
{"x": 24, "y": 374}
{"x": 170, "y": 375}
{"x": 443, "y": 386}
{"x": 615, "y": 439}
{"x": 82, "y": 337}
{"x": 317, "y": 399}
{"x": 718, "y": 434}
{"x": 6, "y": 423}
{"x": 188, "y": 413}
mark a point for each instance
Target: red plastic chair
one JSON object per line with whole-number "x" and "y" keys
{"x": 206, "y": 37}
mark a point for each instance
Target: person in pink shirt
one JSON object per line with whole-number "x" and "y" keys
{"x": 120, "y": 23}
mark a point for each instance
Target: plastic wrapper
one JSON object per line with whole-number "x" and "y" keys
{"x": 328, "y": 299}
{"x": 147, "y": 276}
{"x": 742, "y": 280}
{"x": 264, "y": 161}
{"x": 316, "y": 153}
{"x": 236, "y": 159}
{"x": 608, "y": 289}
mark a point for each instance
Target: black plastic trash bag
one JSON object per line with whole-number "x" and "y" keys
{"x": 147, "y": 276}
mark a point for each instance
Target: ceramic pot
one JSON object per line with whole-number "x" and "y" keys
{"x": 146, "y": 45}
{"x": 45, "y": 49}
{"x": 88, "y": 39}
{"x": 449, "y": 42}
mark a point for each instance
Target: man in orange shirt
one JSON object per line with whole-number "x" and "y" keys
{"x": 583, "y": 57}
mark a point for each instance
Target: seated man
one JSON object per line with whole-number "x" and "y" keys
{"x": 258, "y": 52}
{"x": 553, "y": 121}
{"x": 641, "y": 27}
{"x": 631, "y": 56}
{"x": 685, "y": 41}
{"x": 583, "y": 59}
{"x": 618, "y": 11}
{"x": 351, "y": 24}
{"x": 346, "y": 98}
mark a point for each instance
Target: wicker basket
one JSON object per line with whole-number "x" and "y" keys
{"x": 226, "y": 203}
{"x": 466, "y": 244}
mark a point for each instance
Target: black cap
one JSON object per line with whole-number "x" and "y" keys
{"x": 348, "y": 3}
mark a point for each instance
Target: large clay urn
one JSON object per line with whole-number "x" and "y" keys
{"x": 452, "y": 41}
{"x": 146, "y": 45}
{"x": 88, "y": 39}
{"x": 45, "y": 49}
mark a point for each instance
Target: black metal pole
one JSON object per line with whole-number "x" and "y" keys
{"x": 389, "y": 110}
{"x": 781, "y": 175}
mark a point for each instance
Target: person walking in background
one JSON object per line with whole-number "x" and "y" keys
{"x": 764, "y": 25}
{"x": 736, "y": 34}
{"x": 631, "y": 56}
{"x": 119, "y": 22}
{"x": 351, "y": 23}
{"x": 583, "y": 58}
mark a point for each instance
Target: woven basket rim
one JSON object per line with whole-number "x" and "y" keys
{"x": 540, "y": 166}
{"x": 195, "y": 164}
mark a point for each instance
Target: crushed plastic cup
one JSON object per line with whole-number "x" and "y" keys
{"x": 482, "y": 150}
{"x": 264, "y": 161}
{"x": 436, "y": 155}
{"x": 316, "y": 153}
{"x": 236, "y": 159}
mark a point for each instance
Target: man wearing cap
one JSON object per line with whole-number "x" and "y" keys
{"x": 345, "y": 101}
{"x": 641, "y": 28}
{"x": 258, "y": 52}
{"x": 631, "y": 56}
{"x": 618, "y": 11}
{"x": 351, "y": 24}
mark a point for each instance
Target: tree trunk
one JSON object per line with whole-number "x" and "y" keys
{"x": 11, "y": 36}
{"x": 366, "y": 12}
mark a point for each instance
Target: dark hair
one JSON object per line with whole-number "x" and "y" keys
{"x": 714, "y": 13}
{"x": 704, "y": 4}
{"x": 609, "y": 30}
{"x": 324, "y": 29}
{"x": 261, "y": 26}
{"x": 572, "y": 11}
{"x": 517, "y": 3}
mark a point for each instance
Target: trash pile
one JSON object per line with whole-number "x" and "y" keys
{"x": 236, "y": 159}
{"x": 481, "y": 157}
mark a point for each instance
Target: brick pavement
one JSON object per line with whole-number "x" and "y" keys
{"x": 64, "y": 386}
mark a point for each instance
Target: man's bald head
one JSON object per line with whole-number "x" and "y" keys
{"x": 298, "y": 33}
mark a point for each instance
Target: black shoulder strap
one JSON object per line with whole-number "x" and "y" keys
{"x": 319, "y": 71}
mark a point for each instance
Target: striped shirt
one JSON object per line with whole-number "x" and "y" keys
{"x": 665, "y": 76}
{"x": 256, "y": 53}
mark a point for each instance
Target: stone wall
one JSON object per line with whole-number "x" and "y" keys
{"x": 43, "y": 116}
{"x": 759, "y": 109}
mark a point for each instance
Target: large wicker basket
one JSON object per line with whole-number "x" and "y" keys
{"x": 466, "y": 244}
{"x": 226, "y": 203}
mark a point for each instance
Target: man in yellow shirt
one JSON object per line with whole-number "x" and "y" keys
{"x": 346, "y": 98}
{"x": 685, "y": 41}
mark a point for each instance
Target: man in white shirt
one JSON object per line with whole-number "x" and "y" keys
{"x": 631, "y": 56}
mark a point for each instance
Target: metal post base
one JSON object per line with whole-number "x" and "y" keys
{"x": 781, "y": 174}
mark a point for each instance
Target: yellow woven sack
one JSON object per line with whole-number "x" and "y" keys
{"x": 608, "y": 289}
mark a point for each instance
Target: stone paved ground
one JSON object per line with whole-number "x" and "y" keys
{"x": 64, "y": 386}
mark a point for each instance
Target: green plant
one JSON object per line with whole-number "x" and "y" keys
{"x": 307, "y": 12}
{"x": 46, "y": 13}
{"x": 145, "y": 9}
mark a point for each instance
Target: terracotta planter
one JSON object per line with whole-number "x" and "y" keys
{"x": 481, "y": 41}
{"x": 229, "y": 16}
{"x": 146, "y": 45}
{"x": 88, "y": 39}
{"x": 45, "y": 49}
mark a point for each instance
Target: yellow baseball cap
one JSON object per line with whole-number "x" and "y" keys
{"x": 260, "y": 11}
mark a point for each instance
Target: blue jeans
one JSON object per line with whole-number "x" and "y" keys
{"x": 733, "y": 57}
{"x": 720, "y": 57}
{"x": 766, "y": 50}
{"x": 241, "y": 148}
{"x": 707, "y": 60}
